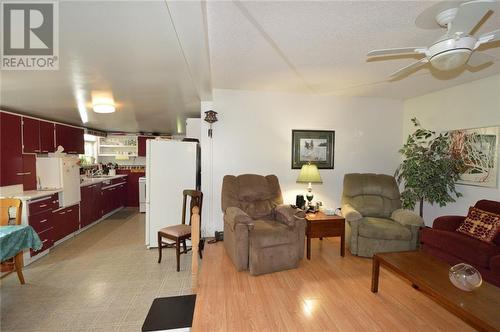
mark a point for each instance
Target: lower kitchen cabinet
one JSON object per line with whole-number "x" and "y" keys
{"x": 90, "y": 204}
{"x": 66, "y": 221}
{"x": 47, "y": 238}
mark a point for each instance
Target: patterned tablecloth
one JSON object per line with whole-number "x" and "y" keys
{"x": 14, "y": 239}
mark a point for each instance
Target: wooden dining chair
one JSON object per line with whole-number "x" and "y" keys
{"x": 181, "y": 232}
{"x": 16, "y": 262}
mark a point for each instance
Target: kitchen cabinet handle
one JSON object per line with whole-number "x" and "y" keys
{"x": 24, "y": 173}
{"x": 37, "y": 150}
{"x": 45, "y": 240}
{"x": 69, "y": 211}
{"x": 71, "y": 151}
{"x": 45, "y": 150}
{"x": 61, "y": 213}
{"x": 43, "y": 205}
{"x": 42, "y": 221}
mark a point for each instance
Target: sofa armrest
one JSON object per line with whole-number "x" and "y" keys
{"x": 448, "y": 223}
{"x": 235, "y": 215}
{"x": 407, "y": 218}
{"x": 350, "y": 213}
{"x": 289, "y": 215}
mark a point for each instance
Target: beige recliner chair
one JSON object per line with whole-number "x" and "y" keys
{"x": 371, "y": 206}
{"x": 260, "y": 233}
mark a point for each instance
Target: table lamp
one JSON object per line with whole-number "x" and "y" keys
{"x": 309, "y": 173}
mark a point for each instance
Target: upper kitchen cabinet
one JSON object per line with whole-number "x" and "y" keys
{"x": 11, "y": 161}
{"x": 31, "y": 135}
{"x": 47, "y": 143}
{"x": 38, "y": 136}
{"x": 141, "y": 145}
{"x": 70, "y": 138}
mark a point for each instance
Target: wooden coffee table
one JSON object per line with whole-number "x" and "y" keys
{"x": 479, "y": 308}
{"x": 319, "y": 225}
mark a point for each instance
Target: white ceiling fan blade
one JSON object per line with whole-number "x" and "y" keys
{"x": 397, "y": 51}
{"x": 468, "y": 16}
{"x": 410, "y": 68}
{"x": 478, "y": 59}
{"x": 488, "y": 38}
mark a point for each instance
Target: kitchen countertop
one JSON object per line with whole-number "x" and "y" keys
{"x": 90, "y": 181}
{"x": 32, "y": 194}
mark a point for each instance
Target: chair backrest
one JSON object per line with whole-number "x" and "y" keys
{"x": 257, "y": 195}
{"x": 373, "y": 195}
{"x": 487, "y": 205}
{"x": 196, "y": 200}
{"x": 6, "y": 205}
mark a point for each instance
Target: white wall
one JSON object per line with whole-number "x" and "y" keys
{"x": 254, "y": 132}
{"x": 470, "y": 105}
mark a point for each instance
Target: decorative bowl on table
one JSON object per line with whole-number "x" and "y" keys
{"x": 465, "y": 277}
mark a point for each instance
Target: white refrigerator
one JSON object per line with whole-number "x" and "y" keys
{"x": 60, "y": 173}
{"x": 171, "y": 167}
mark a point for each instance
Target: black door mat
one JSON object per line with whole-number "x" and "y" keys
{"x": 168, "y": 313}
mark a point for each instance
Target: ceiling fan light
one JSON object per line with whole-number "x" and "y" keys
{"x": 104, "y": 108}
{"x": 450, "y": 60}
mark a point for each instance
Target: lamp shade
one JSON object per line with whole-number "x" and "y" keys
{"x": 309, "y": 173}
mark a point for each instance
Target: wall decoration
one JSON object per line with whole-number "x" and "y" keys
{"x": 315, "y": 146}
{"x": 478, "y": 148}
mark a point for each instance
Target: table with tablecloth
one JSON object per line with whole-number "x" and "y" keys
{"x": 16, "y": 238}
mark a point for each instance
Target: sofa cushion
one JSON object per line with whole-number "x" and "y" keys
{"x": 267, "y": 233}
{"x": 382, "y": 228}
{"x": 465, "y": 247}
{"x": 481, "y": 225}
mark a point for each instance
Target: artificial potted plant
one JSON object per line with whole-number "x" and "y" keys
{"x": 429, "y": 170}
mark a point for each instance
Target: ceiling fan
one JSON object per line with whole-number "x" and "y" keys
{"x": 456, "y": 47}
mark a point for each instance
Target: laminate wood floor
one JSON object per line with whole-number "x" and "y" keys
{"x": 327, "y": 293}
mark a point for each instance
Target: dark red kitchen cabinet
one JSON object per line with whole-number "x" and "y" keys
{"x": 132, "y": 187}
{"x": 78, "y": 137}
{"x": 41, "y": 221}
{"x": 47, "y": 238}
{"x": 47, "y": 143}
{"x": 86, "y": 205}
{"x": 29, "y": 172}
{"x": 73, "y": 213}
{"x": 66, "y": 221}
{"x": 90, "y": 205}
{"x": 11, "y": 161}
{"x": 141, "y": 145}
{"x": 70, "y": 138}
{"x": 123, "y": 195}
{"x": 31, "y": 135}
{"x": 63, "y": 137}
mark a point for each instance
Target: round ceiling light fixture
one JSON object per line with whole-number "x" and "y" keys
{"x": 104, "y": 108}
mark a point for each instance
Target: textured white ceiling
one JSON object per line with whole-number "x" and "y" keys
{"x": 160, "y": 58}
{"x": 129, "y": 49}
{"x": 320, "y": 47}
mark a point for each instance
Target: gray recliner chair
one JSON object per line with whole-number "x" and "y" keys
{"x": 261, "y": 234}
{"x": 371, "y": 206}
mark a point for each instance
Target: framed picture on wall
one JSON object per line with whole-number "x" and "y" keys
{"x": 478, "y": 148}
{"x": 315, "y": 146}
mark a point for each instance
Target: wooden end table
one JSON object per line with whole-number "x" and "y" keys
{"x": 319, "y": 225}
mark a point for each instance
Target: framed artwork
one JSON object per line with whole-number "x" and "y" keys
{"x": 478, "y": 148}
{"x": 315, "y": 146}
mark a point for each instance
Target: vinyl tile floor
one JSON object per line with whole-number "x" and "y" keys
{"x": 103, "y": 279}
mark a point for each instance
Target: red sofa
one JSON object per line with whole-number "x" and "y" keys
{"x": 443, "y": 242}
